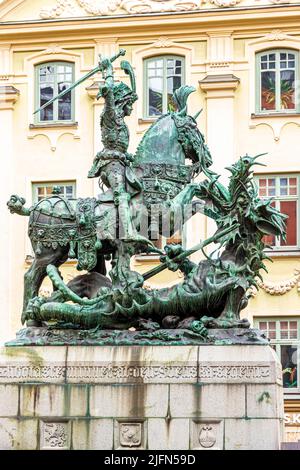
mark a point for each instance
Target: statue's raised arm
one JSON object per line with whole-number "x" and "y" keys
{"x": 106, "y": 90}
{"x": 119, "y": 99}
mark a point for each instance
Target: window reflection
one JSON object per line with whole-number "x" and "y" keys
{"x": 53, "y": 79}
{"x": 277, "y": 81}
{"x": 289, "y": 365}
{"x": 284, "y": 335}
{"x": 164, "y": 75}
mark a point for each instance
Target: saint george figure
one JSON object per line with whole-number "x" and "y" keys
{"x": 112, "y": 163}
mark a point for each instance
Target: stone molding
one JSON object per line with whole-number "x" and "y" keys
{"x": 8, "y": 97}
{"x": 136, "y": 373}
{"x": 219, "y": 86}
{"x": 178, "y": 364}
{"x": 219, "y": 82}
{"x": 79, "y": 8}
{"x": 279, "y": 288}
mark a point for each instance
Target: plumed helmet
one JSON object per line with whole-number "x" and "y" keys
{"x": 123, "y": 93}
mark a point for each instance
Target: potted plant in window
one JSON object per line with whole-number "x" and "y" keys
{"x": 268, "y": 94}
{"x": 287, "y": 95}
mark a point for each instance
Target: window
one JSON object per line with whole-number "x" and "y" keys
{"x": 284, "y": 335}
{"x": 51, "y": 79}
{"x": 160, "y": 242}
{"x": 285, "y": 192}
{"x": 163, "y": 76}
{"x": 277, "y": 79}
{"x": 42, "y": 190}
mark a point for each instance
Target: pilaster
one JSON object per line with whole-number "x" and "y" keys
{"x": 220, "y": 130}
{"x": 8, "y": 97}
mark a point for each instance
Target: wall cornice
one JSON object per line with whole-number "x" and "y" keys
{"x": 234, "y": 18}
{"x": 8, "y": 97}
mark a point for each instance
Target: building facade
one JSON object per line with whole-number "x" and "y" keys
{"x": 243, "y": 58}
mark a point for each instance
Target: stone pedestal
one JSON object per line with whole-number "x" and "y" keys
{"x": 140, "y": 397}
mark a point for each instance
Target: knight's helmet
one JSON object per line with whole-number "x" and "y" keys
{"x": 122, "y": 92}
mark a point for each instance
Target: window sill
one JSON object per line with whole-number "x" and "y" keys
{"x": 280, "y": 253}
{"x": 53, "y": 125}
{"x": 291, "y": 393}
{"x": 274, "y": 115}
{"x": 147, "y": 120}
{"x": 291, "y": 396}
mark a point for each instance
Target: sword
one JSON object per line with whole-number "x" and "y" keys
{"x": 99, "y": 68}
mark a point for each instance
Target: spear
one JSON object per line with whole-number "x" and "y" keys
{"x": 189, "y": 252}
{"x": 99, "y": 68}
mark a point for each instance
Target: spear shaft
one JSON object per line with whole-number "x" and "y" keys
{"x": 189, "y": 252}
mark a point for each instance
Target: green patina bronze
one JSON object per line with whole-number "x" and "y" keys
{"x": 155, "y": 182}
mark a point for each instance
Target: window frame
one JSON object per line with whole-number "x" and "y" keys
{"x": 258, "y": 56}
{"x": 37, "y": 93}
{"x": 283, "y": 342}
{"x": 146, "y": 61}
{"x": 277, "y": 199}
{"x": 51, "y": 184}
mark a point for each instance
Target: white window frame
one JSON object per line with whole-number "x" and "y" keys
{"x": 278, "y": 109}
{"x": 54, "y": 64}
{"x": 51, "y": 184}
{"x": 277, "y": 198}
{"x": 284, "y": 342}
{"x": 164, "y": 58}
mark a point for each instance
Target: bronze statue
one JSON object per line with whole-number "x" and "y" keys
{"x": 213, "y": 292}
{"x": 113, "y": 163}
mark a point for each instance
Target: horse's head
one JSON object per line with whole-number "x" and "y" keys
{"x": 174, "y": 137}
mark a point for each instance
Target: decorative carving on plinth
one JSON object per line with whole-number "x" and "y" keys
{"x": 130, "y": 434}
{"x": 207, "y": 434}
{"x": 55, "y": 435}
{"x": 207, "y": 437}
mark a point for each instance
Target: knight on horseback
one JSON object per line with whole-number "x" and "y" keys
{"x": 113, "y": 163}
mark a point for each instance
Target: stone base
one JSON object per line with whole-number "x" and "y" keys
{"x": 140, "y": 397}
{"x": 54, "y": 336}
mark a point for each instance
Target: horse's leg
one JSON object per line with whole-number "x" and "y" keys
{"x": 35, "y": 275}
{"x": 186, "y": 195}
{"x": 100, "y": 266}
{"x": 33, "y": 279}
{"x": 182, "y": 208}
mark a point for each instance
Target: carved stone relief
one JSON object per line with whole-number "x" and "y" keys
{"x": 279, "y": 288}
{"x": 225, "y": 3}
{"x": 55, "y": 435}
{"x": 130, "y": 435}
{"x": 72, "y": 8}
{"x": 207, "y": 435}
